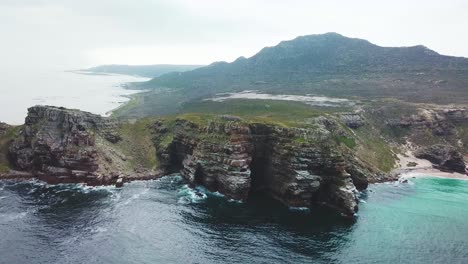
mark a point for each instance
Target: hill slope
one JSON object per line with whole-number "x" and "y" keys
{"x": 327, "y": 64}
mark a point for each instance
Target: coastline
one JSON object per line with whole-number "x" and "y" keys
{"x": 423, "y": 168}
{"x": 98, "y": 94}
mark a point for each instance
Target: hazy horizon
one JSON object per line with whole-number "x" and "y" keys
{"x": 70, "y": 34}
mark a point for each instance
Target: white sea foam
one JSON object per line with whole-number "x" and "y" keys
{"x": 235, "y": 201}
{"x": 135, "y": 196}
{"x": 12, "y": 216}
{"x": 299, "y": 209}
{"x": 189, "y": 195}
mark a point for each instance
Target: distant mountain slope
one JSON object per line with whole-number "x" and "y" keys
{"x": 143, "y": 70}
{"x": 316, "y": 63}
{"x": 327, "y": 64}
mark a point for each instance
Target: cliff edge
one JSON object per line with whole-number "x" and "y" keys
{"x": 61, "y": 145}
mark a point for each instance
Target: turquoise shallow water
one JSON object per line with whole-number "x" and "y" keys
{"x": 164, "y": 221}
{"x": 424, "y": 221}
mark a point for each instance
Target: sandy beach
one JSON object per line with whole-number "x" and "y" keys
{"x": 409, "y": 167}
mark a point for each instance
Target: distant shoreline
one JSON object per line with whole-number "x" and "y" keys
{"x": 125, "y": 85}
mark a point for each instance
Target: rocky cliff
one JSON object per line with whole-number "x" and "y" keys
{"x": 324, "y": 162}
{"x": 439, "y": 135}
{"x": 443, "y": 157}
{"x": 62, "y": 145}
{"x": 440, "y": 122}
{"x": 6, "y": 136}
{"x": 299, "y": 167}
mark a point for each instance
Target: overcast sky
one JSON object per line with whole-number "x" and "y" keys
{"x": 81, "y": 33}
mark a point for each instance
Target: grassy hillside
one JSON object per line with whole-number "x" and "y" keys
{"x": 328, "y": 64}
{"x": 6, "y": 136}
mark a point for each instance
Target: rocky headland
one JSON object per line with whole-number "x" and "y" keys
{"x": 61, "y": 145}
{"x": 299, "y": 167}
{"x": 323, "y": 163}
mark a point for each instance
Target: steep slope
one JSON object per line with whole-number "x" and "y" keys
{"x": 65, "y": 145}
{"x": 300, "y": 167}
{"x": 329, "y": 53}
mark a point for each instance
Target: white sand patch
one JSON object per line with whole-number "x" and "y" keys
{"x": 418, "y": 173}
{"x": 255, "y": 95}
{"x": 423, "y": 168}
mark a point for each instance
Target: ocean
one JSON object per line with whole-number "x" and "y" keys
{"x": 49, "y": 86}
{"x": 165, "y": 221}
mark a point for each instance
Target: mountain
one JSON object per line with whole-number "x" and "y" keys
{"x": 328, "y": 64}
{"x": 142, "y": 70}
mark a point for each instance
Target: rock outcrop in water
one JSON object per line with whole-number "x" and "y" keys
{"x": 299, "y": 167}
{"x": 61, "y": 145}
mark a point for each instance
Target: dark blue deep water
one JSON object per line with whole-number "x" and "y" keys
{"x": 164, "y": 221}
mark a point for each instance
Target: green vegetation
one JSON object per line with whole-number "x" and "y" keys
{"x": 4, "y": 168}
{"x": 133, "y": 103}
{"x": 5, "y": 139}
{"x": 373, "y": 149}
{"x": 328, "y": 64}
{"x": 166, "y": 140}
{"x": 137, "y": 143}
{"x": 349, "y": 142}
{"x": 300, "y": 140}
{"x": 463, "y": 134}
{"x": 281, "y": 113}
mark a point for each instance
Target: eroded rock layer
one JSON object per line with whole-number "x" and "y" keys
{"x": 443, "y": 157}
{"x": 62, "y": 145}
{"x": 299, "y": 167}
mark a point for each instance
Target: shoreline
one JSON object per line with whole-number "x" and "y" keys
{"x": 69, "y": 89}
{"x": 432, "y": 173}
{"x": 423, "y": 168}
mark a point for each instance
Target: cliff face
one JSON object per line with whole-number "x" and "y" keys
{"x": 443, "y": 157}
{"x": 440, "y": 122}
{"x": 5, "y": 140}
{"x": 299, "y": 167}
{"x": 438, "y": 135}
{"x": 62, "y": 145}
{"x": 3, "y": 128}
{"x": 321, "y": 163}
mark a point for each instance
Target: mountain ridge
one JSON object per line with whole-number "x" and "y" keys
{"x": 325, "y": 64}
{"x": 331, "y": 42}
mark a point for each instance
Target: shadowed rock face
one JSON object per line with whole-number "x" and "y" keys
{"x": 239, "y": 159}
{"x": 439, "y": 122}
{"x": 59, "y": 143}
{"x": 297, "y": 166}
{"x": 3, "y": 128}
{"x": 63, "y": 145}
{"x": 444, "y": 157}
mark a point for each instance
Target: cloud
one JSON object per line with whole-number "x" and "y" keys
{"x": 69, "y": 33}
